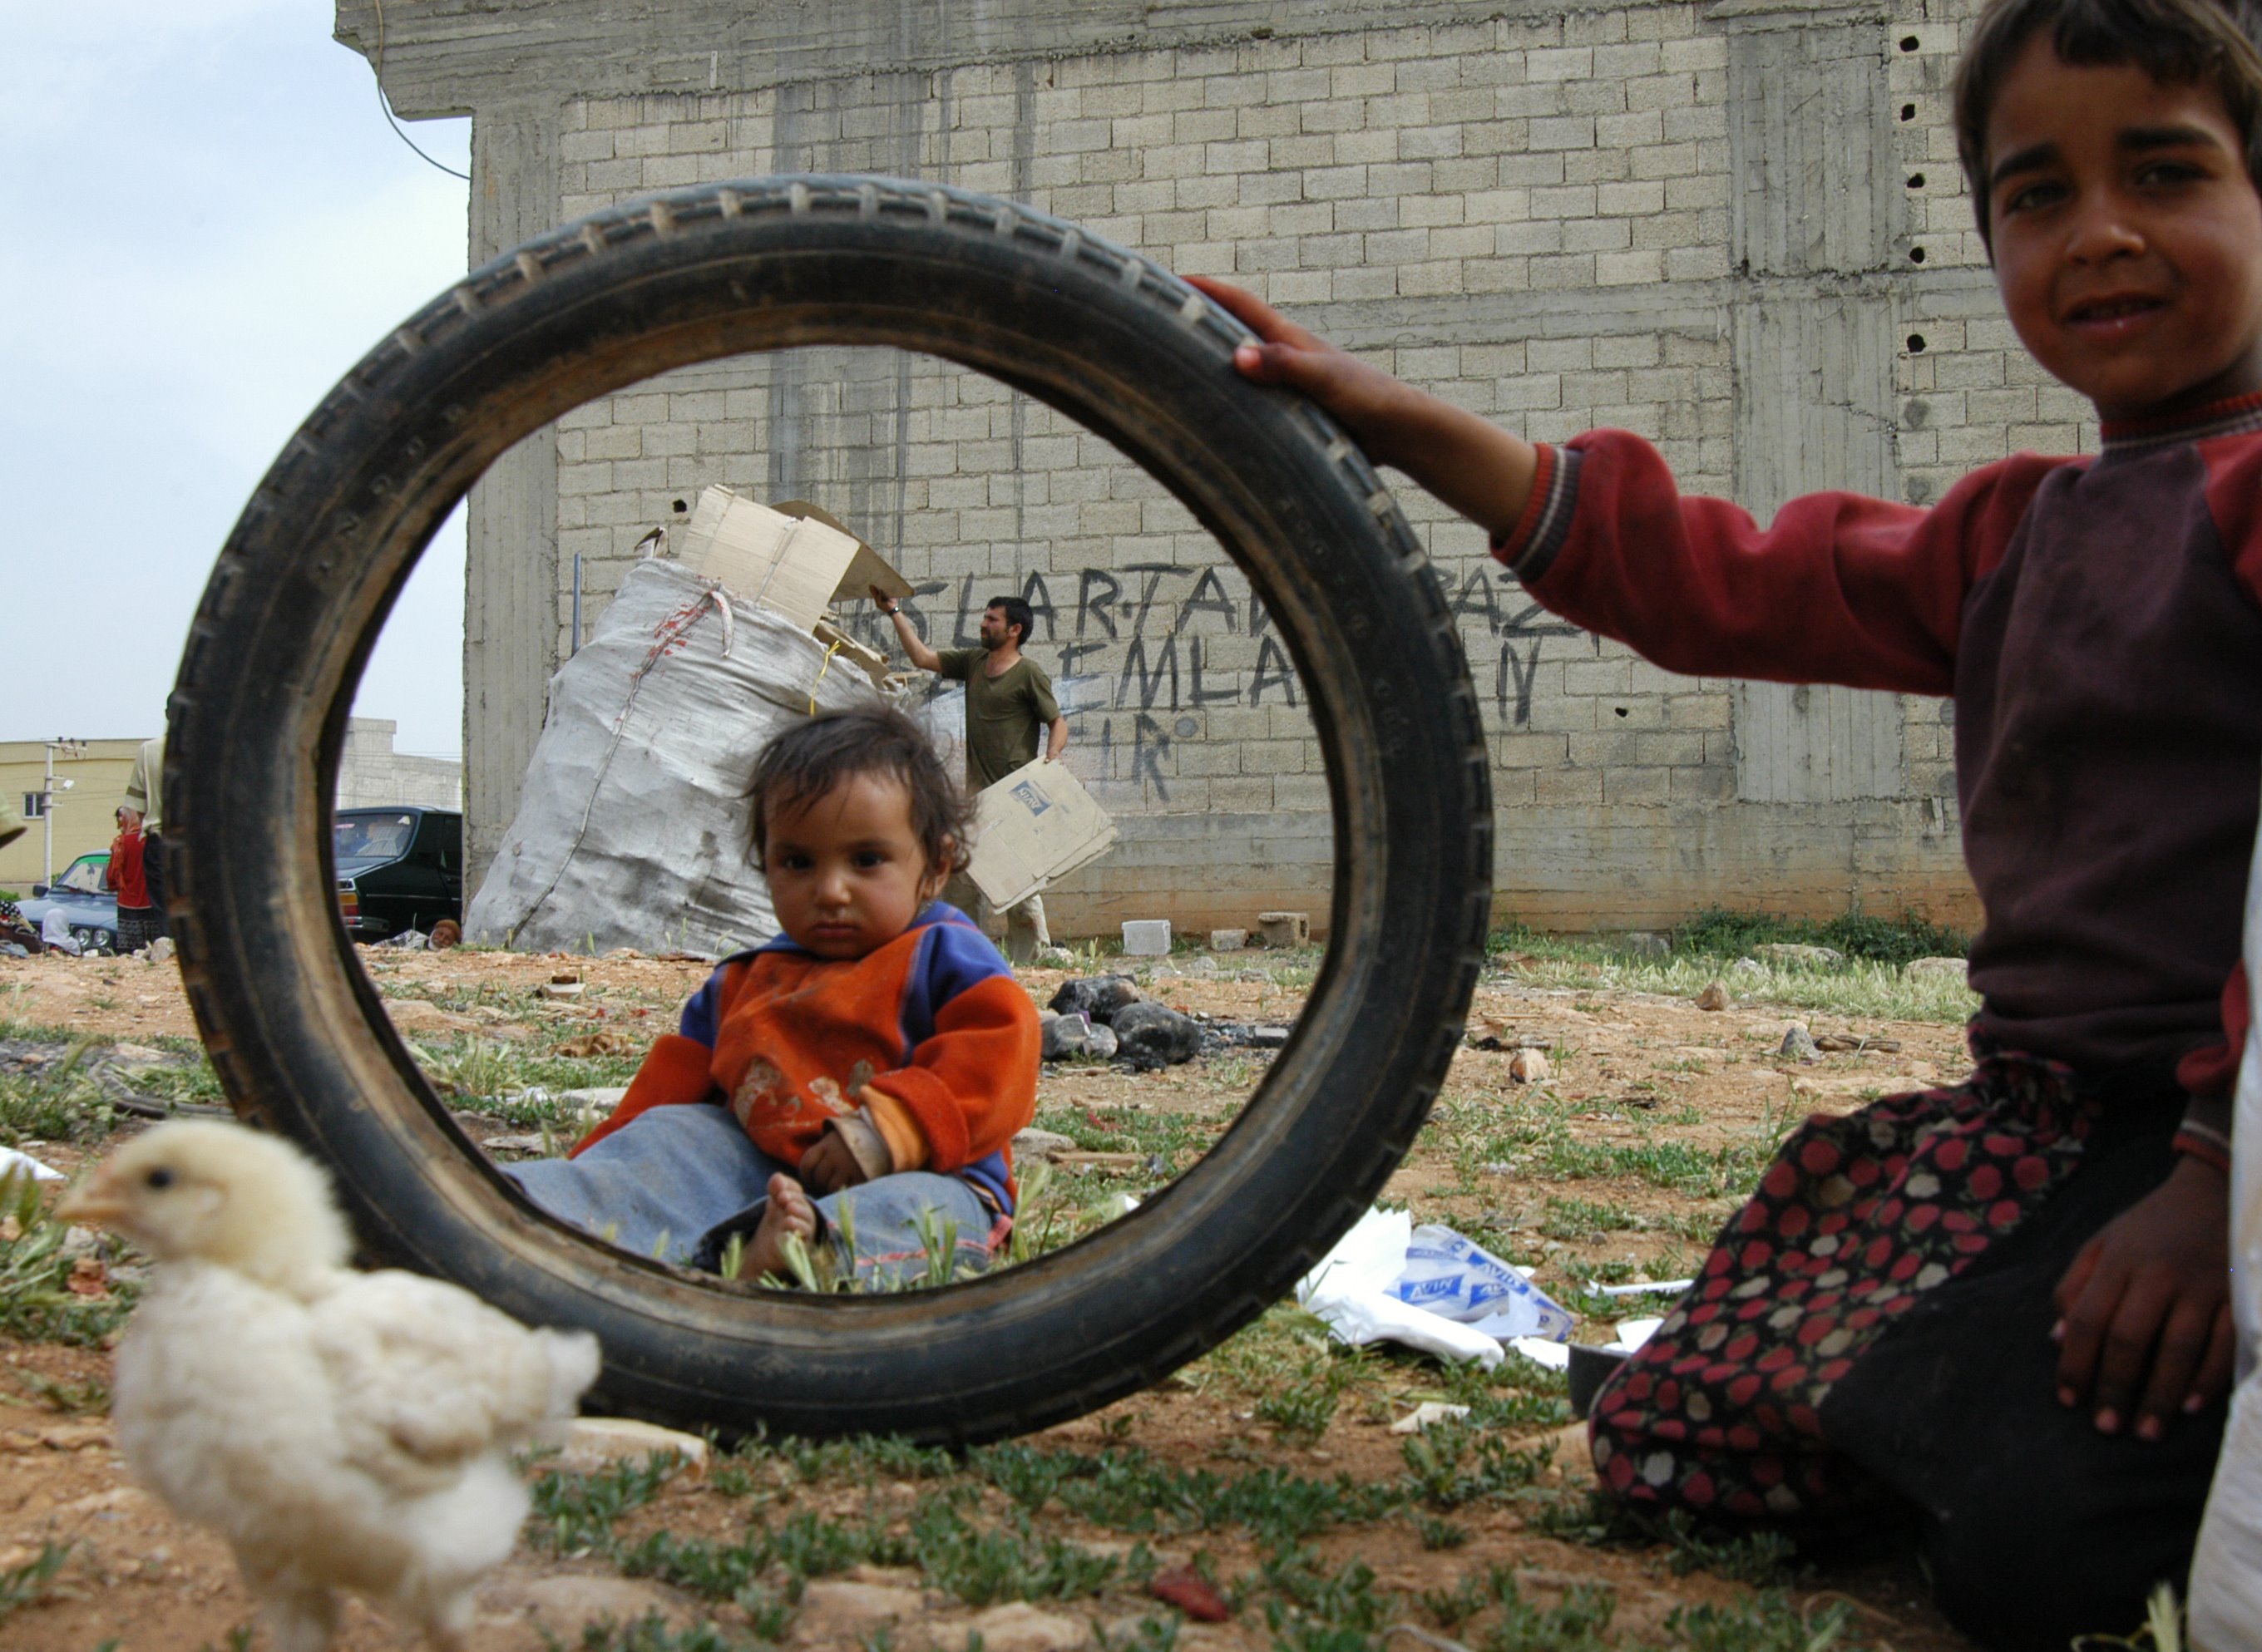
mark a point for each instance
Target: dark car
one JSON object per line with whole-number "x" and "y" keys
{"x": 398, "y": 869}
{"x": 90, "y": 909}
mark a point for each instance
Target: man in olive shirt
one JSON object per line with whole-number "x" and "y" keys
{"x": 142, "y": 796}
{"x": 1009, "y": 700}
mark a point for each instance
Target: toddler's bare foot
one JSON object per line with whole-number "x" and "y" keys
{"x": 788, "y": 1211}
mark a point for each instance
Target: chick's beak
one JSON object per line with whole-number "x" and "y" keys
{"x": 96, "y": 1200}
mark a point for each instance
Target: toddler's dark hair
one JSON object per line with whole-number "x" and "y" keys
{"x": 2214, "y": 43}
{"x": 810, "y": 758}
{"x": 1017, "y": 612}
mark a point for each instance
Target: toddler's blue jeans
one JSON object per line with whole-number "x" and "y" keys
{"x": 676, "y": 1182}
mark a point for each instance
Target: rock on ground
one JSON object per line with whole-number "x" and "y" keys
{"x": 1069, "y": 1036}
{"x": 1097, "y": 996}
{"x": 1155, "y": 1035}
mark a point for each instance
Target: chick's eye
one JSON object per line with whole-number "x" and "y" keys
{"x": 160, "y": 1177}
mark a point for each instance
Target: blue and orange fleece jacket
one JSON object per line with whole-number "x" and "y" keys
{"x": 928, "y": 1041}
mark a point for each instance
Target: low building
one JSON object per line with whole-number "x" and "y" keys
{"x": 70, "y": 814}
{"x": 79, "y": 814}
{"x": 372, "y": 775}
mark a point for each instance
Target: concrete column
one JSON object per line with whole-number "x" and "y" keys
{"x": 1815, "y": 228}
{"x": 510, "y": 574}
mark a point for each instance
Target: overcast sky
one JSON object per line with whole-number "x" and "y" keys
{"x": 209, "y": 222}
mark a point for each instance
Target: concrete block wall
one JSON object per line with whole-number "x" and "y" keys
{"x": 372, "y": 775}
{"x": 1736, "y": 227}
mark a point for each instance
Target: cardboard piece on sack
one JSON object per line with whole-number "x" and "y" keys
{"x": 794, "y": 558}
{"x": 1031, "y": 828}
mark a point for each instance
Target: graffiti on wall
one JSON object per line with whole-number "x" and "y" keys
{"x": 1135, "y": 649}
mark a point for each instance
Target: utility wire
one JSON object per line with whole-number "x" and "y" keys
{"x": 385, "y": 104}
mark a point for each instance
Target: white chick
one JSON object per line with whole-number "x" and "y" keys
{"x": 341, "y": 1430}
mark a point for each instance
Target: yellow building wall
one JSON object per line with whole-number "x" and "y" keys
{"x": 84, "y": 815}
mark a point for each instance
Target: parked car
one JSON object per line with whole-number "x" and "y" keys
{"x": 398, "y": 869}
{"x": 90, "y": 909}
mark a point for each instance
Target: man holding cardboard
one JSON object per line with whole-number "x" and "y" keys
{"x": 1009, "y": 700}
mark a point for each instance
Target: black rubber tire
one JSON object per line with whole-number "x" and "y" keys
{"x": 257, "y": 720}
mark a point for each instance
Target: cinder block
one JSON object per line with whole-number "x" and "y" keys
{"x": 1146, "y": 938}
{"x": 1284, "y": 929}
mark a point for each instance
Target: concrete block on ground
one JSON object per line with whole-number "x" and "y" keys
{"x": 1284, "y": 928}
{"x": 1146, "y": 938}
{"x": 1227, "y": 940}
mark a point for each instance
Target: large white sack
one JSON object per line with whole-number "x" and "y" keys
{"x": 631, "y": 822}
{"x": 2226, "y": 1581}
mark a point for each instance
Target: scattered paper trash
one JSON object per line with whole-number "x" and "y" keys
{"x": 1647, "y": 1287}
{"x": 15, "y": 1162}
{"x": 1418, "y": 1420}
{"x": 1556, "y": 1356}
{"x": 1386, "y": 1281}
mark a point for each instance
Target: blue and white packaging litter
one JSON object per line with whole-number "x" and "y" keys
{"x": 1450, "y": 1274}
{"x": 1430, "y": 1288}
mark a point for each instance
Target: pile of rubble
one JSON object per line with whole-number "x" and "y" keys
{"x": 1107, "y": 1018}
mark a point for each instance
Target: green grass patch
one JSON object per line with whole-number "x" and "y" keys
{"x": 1716, "y": 932}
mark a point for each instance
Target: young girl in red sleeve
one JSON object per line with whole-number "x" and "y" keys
{"x": 1996, "y": 1311}
{"x": 137, "y": 916}
{"x": 862, "y": 1074}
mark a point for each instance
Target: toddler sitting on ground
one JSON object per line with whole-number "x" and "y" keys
{"x": 855, "y": 1080}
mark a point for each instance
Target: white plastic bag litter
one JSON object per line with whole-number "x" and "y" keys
{"x": 632, "y": 823}
{"x": 1357, "y": 1290}
{"x": 2226, "y": 1576}
{"x": 55, "y": 932}
{"x": 14, "y": 1162}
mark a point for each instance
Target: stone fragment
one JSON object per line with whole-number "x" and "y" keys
{"x": 1227, "y": 940}
{"x": 1284, "y": 928}
{"x": 1152, "y": 1035}
{"x": 1033, "y": 1143}
{"x": 1020, "y": 1626}
{"x": 74, "y": 1436}
{"x": 1071, "y": 1037}
{"x": 842, "y": 1612}
{"x": 1098, "y": 996}
{"x": 1054, "y": 958}
{"x": 1747, "y": 967}
{"x": 565, "y": 1604}
{"x": 1715, "y": 996}
{"x": 1791, "y": 954}
{"x": 1921, "y": 968}
{"x": 523, "y": 1141}
{"x": 1797, "y": 1043}
{"x": 1528, "y": 1067}
{"x": 589, "y": 1443}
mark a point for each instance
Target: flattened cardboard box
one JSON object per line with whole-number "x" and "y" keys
{"x": 1031, "y": 828}
{"x": 796, "y": 565}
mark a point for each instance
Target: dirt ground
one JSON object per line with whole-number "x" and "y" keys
{"x": 1629, "y": 1072}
